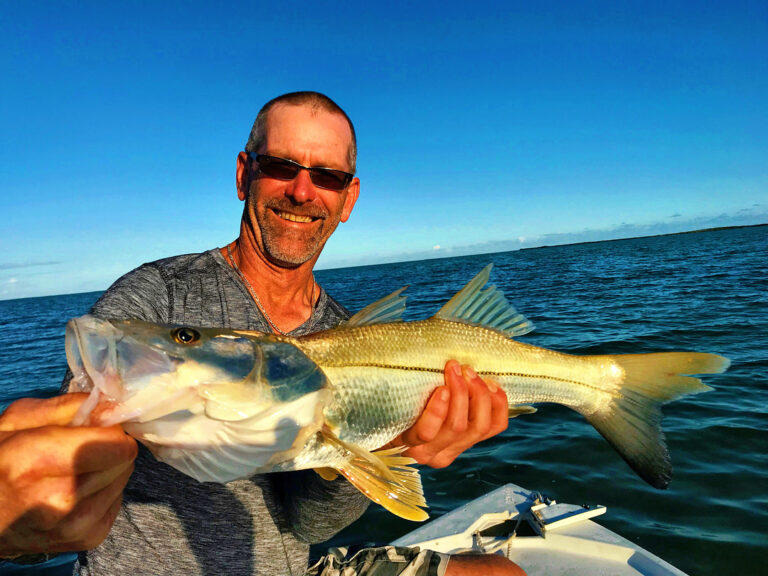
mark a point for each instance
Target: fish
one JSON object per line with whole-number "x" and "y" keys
{"x": 221, "y": 404}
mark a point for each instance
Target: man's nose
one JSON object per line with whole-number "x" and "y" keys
{"x": 301, "y": 188}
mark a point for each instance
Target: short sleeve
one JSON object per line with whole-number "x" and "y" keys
{"x": 142, "y": 294}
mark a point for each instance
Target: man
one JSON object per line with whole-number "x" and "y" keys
{"x": 63, "y": 485}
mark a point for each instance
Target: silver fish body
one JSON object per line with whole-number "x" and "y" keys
{"x": 221, "y": 404}
{"x": 381, "y": 384}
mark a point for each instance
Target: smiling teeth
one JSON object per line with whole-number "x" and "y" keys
{"x": 294, "y": 217}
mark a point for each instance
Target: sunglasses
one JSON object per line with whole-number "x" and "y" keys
{"x": 284, "y": 169}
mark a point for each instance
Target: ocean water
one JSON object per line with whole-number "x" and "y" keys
{"x": 704, "y": 291}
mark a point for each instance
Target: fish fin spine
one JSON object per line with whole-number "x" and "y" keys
{"x": 389, "y": 309}
{"x": 478, "y": 305}
{"x": 392, "y": 483}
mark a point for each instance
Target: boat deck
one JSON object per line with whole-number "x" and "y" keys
{"x": 542, "y": 536}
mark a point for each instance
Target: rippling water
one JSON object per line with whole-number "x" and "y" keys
{"x": 705, "y": 291}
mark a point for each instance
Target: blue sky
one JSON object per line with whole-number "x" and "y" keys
{"x": 482, "y": 126}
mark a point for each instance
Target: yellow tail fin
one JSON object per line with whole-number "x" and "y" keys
{"x": 632, "y": 423}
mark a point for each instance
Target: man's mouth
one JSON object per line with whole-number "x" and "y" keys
{"x": 294, "y": 217}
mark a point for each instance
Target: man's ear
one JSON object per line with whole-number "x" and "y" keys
{"x": 353, "y": 191}
{"x": 243, "y": 175}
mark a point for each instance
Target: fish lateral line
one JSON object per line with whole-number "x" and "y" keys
{"x": 483, "y": 373}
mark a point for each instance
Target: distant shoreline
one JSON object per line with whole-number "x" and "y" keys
{"x": 649, "y": 236}
{"x": 446, "y": 257}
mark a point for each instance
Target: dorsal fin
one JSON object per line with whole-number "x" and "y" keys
{"x": 487, "y": 307}
{"x": 388, "y": 309}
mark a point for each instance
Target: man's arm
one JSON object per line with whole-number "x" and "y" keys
{"x": 482, "y": 565}
{"x": 60, "y": 487}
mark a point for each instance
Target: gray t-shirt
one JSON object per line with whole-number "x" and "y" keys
{"x": 170, "y": 523}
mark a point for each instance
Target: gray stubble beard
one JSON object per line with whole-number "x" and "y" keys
{"x": 274, "y": 247}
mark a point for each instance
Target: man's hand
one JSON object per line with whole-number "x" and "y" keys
{"x": 60, "y": 487}
{"x": 463, "y": 412}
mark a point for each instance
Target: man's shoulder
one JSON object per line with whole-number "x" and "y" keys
{"x": 181, "y": 264}
{"x": 146, "y": 292}
{"x": 168, "y": 269}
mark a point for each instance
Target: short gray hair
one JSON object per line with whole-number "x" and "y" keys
{"x": 316, "y": 101}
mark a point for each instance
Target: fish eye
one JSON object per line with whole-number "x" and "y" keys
{"x": 185, "y": 335}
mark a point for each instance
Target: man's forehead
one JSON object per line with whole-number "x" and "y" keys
{"x": 306, "y": 128}
{"x": 296, "y": 115}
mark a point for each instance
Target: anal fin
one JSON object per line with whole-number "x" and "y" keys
{"x": 386, "y": 477}
{"x": 515, "y": 411}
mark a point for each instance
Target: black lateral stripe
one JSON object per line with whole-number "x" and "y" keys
{"x": 484, "y": 373}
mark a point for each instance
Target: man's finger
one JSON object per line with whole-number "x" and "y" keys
{"x": 459, "y": 404}
{"x": 479, "y": 405}
{"x": 35, "y": 412}
{"x": 499, "y": 413}
{"x": 448, "y": 453}
{"x": 85, "y": 522}
{"x": 92, "y": 482}
{"x": 431, "y": 420}
{"x": 64, "y": 451}
{"x": 100, "y": 530}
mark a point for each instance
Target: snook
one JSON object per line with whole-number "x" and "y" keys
{"x": 225, "y": 404}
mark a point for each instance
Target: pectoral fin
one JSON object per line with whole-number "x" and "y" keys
{"x": 385, "y": 477}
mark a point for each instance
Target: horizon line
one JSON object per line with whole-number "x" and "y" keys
{"x": 445, "y": 257}
{"x": 713, "y": 229}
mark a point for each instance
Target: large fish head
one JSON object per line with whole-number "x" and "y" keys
{"x": 217, "y": 404}
{"x": 234, "y": 374}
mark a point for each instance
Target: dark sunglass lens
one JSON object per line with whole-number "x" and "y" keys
{"x": 330, "y": 179}
{"x": 277, "y": 168}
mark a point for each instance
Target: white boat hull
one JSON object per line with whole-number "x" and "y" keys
{"x": 543, "y": 538}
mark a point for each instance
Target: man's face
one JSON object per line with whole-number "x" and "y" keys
{"x": 295, "y": 218}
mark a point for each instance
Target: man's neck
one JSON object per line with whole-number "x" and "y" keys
{"x": 284, "y": 295}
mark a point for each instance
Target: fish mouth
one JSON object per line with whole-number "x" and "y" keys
{"x": 102, "y": 356}
{"x": 89, "y": 350}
